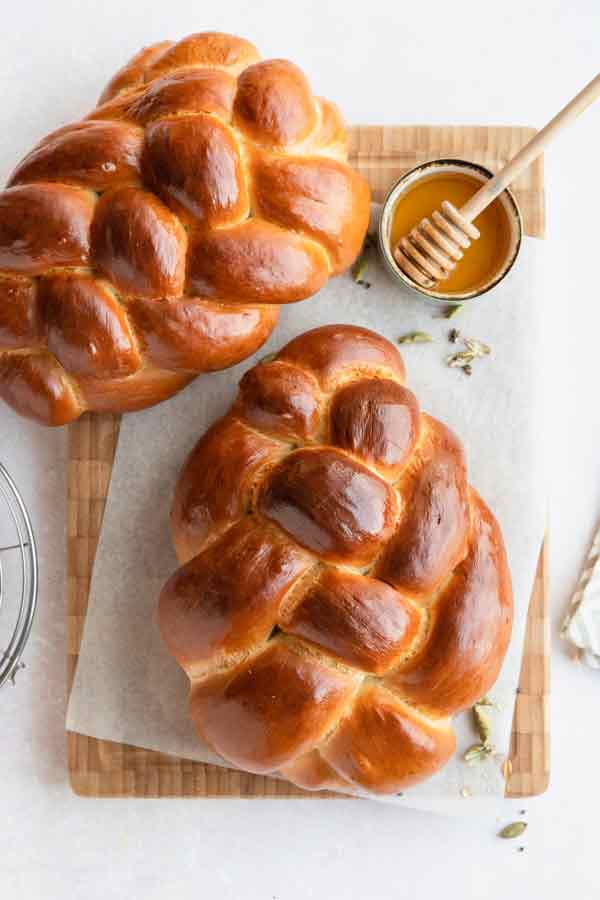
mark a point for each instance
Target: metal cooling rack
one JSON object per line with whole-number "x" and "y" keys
{"x": 18, "y": 577}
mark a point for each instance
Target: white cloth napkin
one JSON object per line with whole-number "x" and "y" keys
{"x": 127, "y": 688}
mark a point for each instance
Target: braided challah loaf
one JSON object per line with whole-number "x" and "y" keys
{"x": 156, "y": 239}
{"x": 344, "y": 590}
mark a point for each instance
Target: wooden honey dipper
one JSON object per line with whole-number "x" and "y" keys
{"x": 429, "y": 253}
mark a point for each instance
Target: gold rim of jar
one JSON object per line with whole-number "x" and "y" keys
{"x": 425, "y": 170}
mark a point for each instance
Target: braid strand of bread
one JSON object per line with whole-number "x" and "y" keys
{"x": 343, "y": 590}
{"x": 157, "y": 238}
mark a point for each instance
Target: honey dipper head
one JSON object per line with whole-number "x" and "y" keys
{"x": 429, "y": 253}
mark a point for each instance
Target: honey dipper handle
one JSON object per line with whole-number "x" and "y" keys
{"x": 531, "y": 150}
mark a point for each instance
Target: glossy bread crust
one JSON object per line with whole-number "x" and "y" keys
{"x": 157, "y": 238}
{"x": 343, "y": 590}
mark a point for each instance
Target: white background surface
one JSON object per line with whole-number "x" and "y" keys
{"x": 463, "y": 61}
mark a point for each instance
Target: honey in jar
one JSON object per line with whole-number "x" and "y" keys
{"x": 486, "y": 256}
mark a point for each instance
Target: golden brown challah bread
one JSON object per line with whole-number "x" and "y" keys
{"x": 156, "y": 239}
{"x": 344, "y": 590}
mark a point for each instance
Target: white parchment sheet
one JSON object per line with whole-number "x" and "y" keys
{"x": 127, "y": 688}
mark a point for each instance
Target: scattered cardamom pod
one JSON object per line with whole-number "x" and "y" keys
{"x": 477, "y": 753}
{"x": 360, "y": 267}
{"x": 483, "y": 724}
{"x": 464, "y": 358}
{"x": 453, "y": 335}
{"x": 485, "y": 701}
{"x": 453, "y": 311}
{"x": 515, "y": 829}
{"x": 415, "y": 337}
{"x": 481, "y": 719}
{"x": 459, "y": 360}
{"x": 477, "y": 348}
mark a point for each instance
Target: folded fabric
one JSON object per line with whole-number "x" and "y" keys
{"x": 582, "y": 623}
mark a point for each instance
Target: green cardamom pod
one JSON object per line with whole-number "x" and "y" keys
{"x": 477, "y": 753}
{"x": 460, "y": 360}
{"x": 515, "y": 829}
{"x": 415, "y": 337}
{"x": 477, "y": 348}
{"x": 483, "y": 724}
{"x": 360, "y": 267}
{"x": 453, "y": 311}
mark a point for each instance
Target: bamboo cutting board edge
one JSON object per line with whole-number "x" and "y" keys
{"x": 99, "y": 768}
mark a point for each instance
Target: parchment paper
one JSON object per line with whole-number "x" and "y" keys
{"x": 127, "y": 688}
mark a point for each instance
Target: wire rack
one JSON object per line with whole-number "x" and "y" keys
{"x": 18, "y": 577}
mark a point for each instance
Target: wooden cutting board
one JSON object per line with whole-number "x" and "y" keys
{"x": 105, "y": 769}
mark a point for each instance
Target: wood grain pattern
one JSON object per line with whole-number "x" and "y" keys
{"x": 100, "y": 768}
